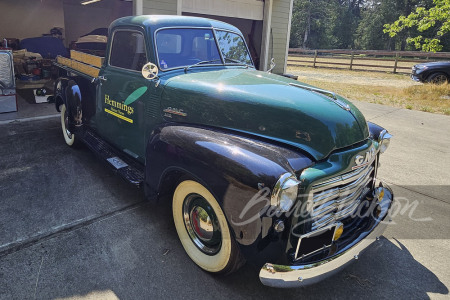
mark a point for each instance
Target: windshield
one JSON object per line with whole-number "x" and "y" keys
{"x": 183, "y": 47}
{"x": 233, "y": 47}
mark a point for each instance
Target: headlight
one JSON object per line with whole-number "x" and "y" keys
{"x": 384, "y": 139}
{"x": 420, "y": 68}
{"x": 285, "y": 192}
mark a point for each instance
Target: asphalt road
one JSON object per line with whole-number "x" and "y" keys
{"x": 70, "y": 229}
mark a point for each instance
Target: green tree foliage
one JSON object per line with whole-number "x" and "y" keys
{"x": 359, "y": 24}
{"x": 434, "y": 23}
{"x": 369, "y": 34}
{"x": 324, "y": 23}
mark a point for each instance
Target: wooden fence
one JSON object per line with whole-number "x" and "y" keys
{"x": 363, "y": 60}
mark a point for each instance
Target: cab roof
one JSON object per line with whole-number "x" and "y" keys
{"x": 154, "y": 22}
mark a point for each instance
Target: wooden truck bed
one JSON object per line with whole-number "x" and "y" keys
{"x": 82, "y": 62}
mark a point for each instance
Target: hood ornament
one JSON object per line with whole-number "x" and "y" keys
{"x": 329, "y": 94}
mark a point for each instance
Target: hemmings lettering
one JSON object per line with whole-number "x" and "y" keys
{"x": 128, "y": 109}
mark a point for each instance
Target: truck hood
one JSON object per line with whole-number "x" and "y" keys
{"x": 263, "y": 104}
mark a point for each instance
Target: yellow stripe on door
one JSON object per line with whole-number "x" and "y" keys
{"x": 118, "y": 116}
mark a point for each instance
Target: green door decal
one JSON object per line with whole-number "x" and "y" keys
{"x": 135, "y": 95}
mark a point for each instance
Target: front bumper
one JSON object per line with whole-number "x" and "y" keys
{"x": 302, "y": 275}
{"x": 416, "y": 78}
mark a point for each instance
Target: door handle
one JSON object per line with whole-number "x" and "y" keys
{"x": 102, "y": 78}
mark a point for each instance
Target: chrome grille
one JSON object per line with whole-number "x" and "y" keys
{"x": 337, "y": 198}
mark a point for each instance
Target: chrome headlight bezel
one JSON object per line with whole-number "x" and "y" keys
{"x": 285, "y": 192}
{"x": 384, "y": 139}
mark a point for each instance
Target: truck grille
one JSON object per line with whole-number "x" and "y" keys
{"x": 338, "y": 197}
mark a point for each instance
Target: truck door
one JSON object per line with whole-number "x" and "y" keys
{"x": 123, "y": 94}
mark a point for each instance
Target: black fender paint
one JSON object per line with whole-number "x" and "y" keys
{"x": 59, "y": 92}
{"x": 78, "y": 94}
{"x": 73, "y": 105}
{"x": 233, "y": 168}
{"x": 374, "y": 130}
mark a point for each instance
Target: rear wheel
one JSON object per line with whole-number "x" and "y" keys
{"x": 203, "y": 229}
{"x": 69, "y": 137}
{"x": 437, "y": 78}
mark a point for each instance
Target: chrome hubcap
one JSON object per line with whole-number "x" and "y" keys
{"x": 202, "y": 224}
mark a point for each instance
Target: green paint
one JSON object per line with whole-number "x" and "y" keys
{"x": 233, "y": 98}
{"x": 135, "y": 95}
{"x": 266, "y": 105}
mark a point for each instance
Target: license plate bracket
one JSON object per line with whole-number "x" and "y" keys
{"x": 315, "y": 241}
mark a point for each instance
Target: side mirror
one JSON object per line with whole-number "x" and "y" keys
{"x": 272, "y": 65}
{"x": 150, "y": 71}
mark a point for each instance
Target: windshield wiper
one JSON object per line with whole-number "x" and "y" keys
{"x": 237, "y": 62}
{"x": 201, "y": 63}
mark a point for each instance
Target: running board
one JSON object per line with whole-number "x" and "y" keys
{"x": 125, "y": 167}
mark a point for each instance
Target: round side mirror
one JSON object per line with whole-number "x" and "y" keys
{"x": 150, "y": 71}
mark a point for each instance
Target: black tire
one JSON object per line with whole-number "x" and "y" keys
{"x": 437, "y": 78}
{"x": 210, "y": 244}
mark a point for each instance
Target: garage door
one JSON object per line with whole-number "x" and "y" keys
{"x": 245, "y": 9}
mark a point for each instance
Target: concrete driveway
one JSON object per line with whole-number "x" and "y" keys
{"x": 70, "y": 229}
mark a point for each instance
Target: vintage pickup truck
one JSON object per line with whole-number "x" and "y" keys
{"x": 259, "y": 167}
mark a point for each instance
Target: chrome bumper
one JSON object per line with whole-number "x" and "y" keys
{"x": 302, "y": 275}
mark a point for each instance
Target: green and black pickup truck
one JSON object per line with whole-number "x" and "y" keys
{"x": 259, "y": 167}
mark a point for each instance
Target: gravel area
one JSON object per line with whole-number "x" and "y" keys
{"x": 353, "y": 77}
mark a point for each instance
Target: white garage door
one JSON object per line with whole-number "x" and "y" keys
{"x": 245, "y": 9}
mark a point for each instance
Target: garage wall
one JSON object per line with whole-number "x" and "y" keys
{"x": 24, "y": 18}
{"x": 253, "y": 39}
{"x": 160, "y": 7}
{"x": 81, "y": 19}
{"x": 245, "y": 9}
{"x": 281, "y": 27}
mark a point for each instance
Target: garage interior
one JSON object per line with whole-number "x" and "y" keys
{"x": 264, "y": 24}
{"x": 67, "y": 20}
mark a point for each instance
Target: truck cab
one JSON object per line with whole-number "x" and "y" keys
{"x": 259, "y": 167}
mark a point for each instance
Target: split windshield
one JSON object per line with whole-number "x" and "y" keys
{"x": 182, "y": 47}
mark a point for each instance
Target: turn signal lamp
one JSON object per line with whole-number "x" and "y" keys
{"x": 338, "y": 232}
{"x": 380, "y": 194}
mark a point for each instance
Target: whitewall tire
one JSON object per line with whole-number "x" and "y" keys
{"x": 203, "y": 229}
{"x": 69, "y": 137}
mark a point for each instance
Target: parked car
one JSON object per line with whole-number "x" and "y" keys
{"x": 258, "y": 166}
{"x": 433, "y": 72}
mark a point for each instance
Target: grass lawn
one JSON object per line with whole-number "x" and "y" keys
{"x": 382, "y": 88}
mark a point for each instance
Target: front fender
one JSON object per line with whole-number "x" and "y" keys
{"x": 374, "y": 130}
{"x": 59, "y": 92}
{"x": 232, "y": 167}
{"x": 67, "y": 92}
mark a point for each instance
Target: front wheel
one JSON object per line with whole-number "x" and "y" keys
{"x": 69, "y": 137}
{"x": 203, "y": 229}
{"x": 437, "y": 78}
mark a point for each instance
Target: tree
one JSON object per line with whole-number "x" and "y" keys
{"x": 307, "y": 23}
{"x": 324, "y": 23}
{"x": 369, "y": 34}
{"x": 433, "y": 23}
